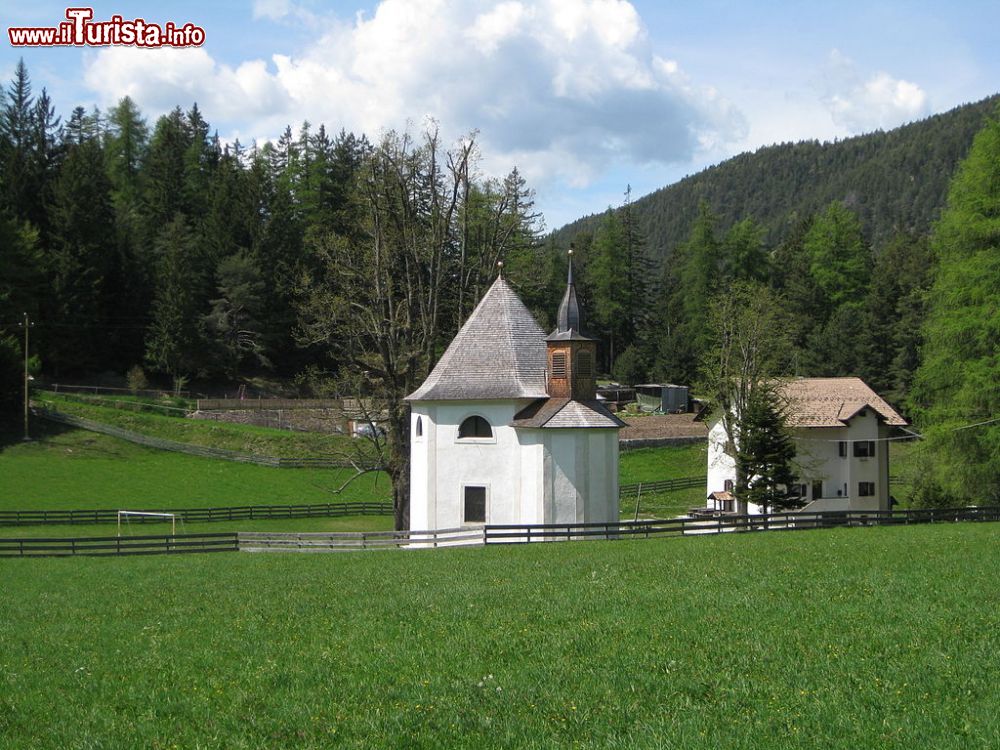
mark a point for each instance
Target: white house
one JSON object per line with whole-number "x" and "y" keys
{"x": 840, "y": 428}
{"x": 507, "y": 429}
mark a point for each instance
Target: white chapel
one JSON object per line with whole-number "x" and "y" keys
{"x": 507, "y": 428}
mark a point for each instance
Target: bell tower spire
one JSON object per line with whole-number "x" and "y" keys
{"x": 572, "y": 354}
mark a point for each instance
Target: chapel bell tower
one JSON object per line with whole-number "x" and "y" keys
{"x": 572, "y": 355}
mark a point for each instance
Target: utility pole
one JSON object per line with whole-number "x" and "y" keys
{"x": 27, "y": 324}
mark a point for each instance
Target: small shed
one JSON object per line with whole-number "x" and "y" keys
{"x": 663, "y": 397}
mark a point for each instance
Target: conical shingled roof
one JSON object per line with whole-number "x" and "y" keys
{"x": 499, "y": 353}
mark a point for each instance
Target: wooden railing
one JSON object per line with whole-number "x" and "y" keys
{"x": 101, "y": 546}
{"x": 661, "y": 485}
{"x": 722, "y": 523}
{"x": 354, "y": 540}
{"x": 192, "y": 515}
{"x": 491, "y": 534}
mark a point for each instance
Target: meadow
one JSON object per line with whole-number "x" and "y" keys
{"x": 879, "y": 637}
{"x": 262, "y": 441}
{"x": 66, "y": 468}
{"x": 70, "y": 468}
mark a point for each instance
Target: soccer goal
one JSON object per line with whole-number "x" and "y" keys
{"x": 126, "y": 514}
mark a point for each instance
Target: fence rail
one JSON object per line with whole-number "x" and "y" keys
{"x": 97, "y": 389}
{"x": 354, "y": 540}
{"x": 192, "y": 450}
{"x": 662, "y": 485}
{"x": 723, "y": 523}
{"x": 192, "y": 515}
{"x": 101, "y": 546}
{"x": 220, "y": 404}
{"x": 491, "y": 534}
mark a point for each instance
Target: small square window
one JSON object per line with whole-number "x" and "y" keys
{"x": 866, "y": 489}
{"x": 864, "y": 448}
{"x": 475, "y": 505}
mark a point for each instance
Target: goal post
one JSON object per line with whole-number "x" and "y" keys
{"x": 147, "y": 514}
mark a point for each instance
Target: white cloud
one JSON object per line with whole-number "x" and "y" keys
{"x": 862, "y": 105}
{"x": 562, "y": 88}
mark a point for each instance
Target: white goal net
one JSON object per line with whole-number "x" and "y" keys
{"x": 128, "y": 514}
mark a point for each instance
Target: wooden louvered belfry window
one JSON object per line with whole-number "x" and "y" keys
{"x": 559, "y": 365}
{"x": 584, "y": 365}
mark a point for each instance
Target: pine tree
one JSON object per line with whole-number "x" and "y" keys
{"x": 174, "y": 340}
{"x": 765, "y": 452}
{"x": 82, "y": 260}
{"x": 958, "y": 382}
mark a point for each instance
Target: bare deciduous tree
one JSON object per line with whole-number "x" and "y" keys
{"x": 377, "y": 298}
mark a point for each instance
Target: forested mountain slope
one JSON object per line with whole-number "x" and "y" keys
{"x": 894, "y": 181}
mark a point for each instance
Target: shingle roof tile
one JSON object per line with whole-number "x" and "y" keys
{"x": 499, "y": 353}
{"x": 830, "y": 402}
{"x": 565, "y": 412}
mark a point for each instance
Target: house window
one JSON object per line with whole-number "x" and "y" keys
{"x": 420, "y": 427}
{"x": 475, "y": 427}
{"x": 866, "y": 489}
{"x": 817, "y": 489}
{"x": 559, "y": 365}
{"x": 728, "y": 486}
{"x": 475, "y": 505}
{"x": 584, "y": 365}
{"x": 864, "y": 448}
{"x": 842, "y": 448}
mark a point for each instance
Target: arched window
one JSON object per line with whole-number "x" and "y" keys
{"x": 475, "y": 427}
{"x": 420, "y": 426}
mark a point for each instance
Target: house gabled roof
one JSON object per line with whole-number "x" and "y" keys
{"x": 565, "y": 412}
{"x": 831, "y": 402}
{"x": 498, "y": 354}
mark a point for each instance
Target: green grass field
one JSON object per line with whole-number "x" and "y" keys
{"x": 851, "y": 638}
{"x": 262, "y": 441}
{"x": 69, "y": 468}
{"x": 652, "y": 464}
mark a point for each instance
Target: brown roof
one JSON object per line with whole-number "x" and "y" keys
{"x": 565, "y": 412}
{"x": 722, "y": 495}
{"x": 831, "y": 402}
{"x": 499, "y": 353}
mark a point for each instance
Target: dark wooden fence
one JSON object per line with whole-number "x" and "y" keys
{"x": 191, "y": 515}
{"x": 722, "y": 523}
{"x": 491, "y": 534}
{"x": 240, "y": 404}
{"x": 253, "y": 541}
{"x": 662, "y": 485}
{"x": 102, "y": 546}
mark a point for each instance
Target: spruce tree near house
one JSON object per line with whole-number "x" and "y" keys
{"x": 956, "y": 398}
{"x": 747, "y": 352}
{"x": 765, "y": 454}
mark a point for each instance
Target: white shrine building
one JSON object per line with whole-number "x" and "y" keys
{"x": 507, "y": 428}
{"x": 841, "y": 430}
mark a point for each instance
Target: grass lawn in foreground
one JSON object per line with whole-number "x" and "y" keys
{"x": 849, "y": 638}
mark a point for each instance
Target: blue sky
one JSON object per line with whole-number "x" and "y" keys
{"x": 583, "y": 96}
